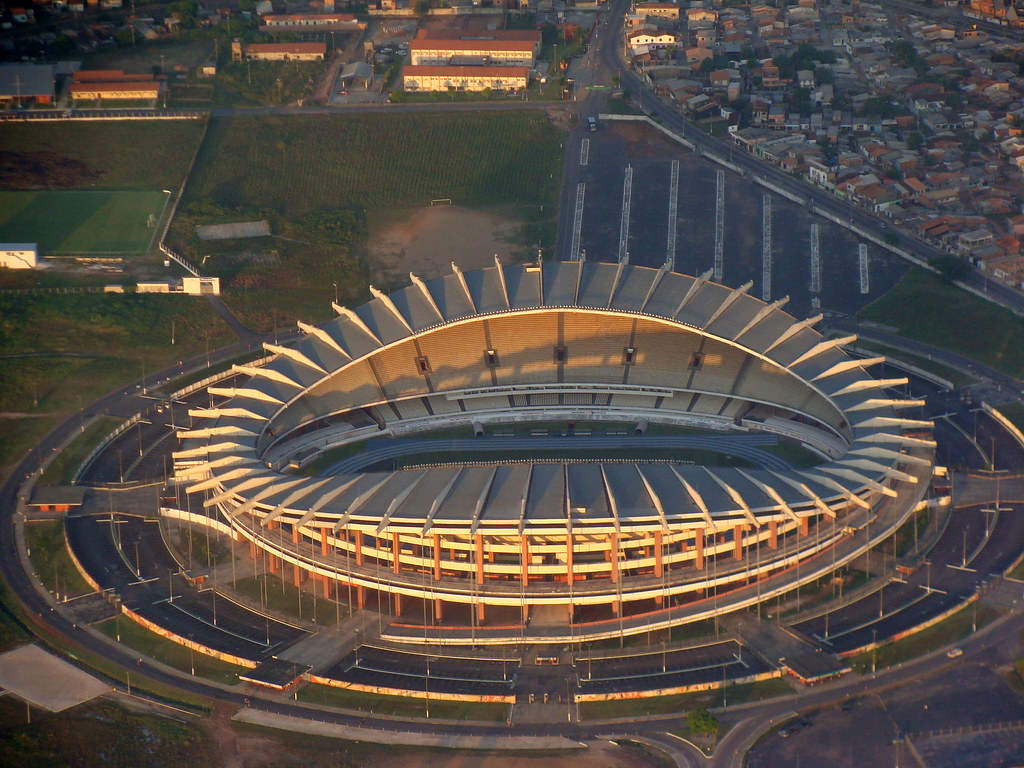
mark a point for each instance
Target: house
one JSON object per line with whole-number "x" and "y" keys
{"x": 491, "y": 48}
{"x": 100, "y": 84}
{"x": 26, "y": 84}
{"x": 299, "y": 22}
{"x": 278, "y": 51}
{"x": 653, "y": 40}
{"x": 659, "y": 10}
{"x": 463, "y": 78}
{"x": 969, "y": 242}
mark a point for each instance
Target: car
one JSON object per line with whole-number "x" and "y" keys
{"x": 343, "y": 92}
{"x": 954, "y": 652}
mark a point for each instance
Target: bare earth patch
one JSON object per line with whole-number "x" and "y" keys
{"x": 427, "y": 240}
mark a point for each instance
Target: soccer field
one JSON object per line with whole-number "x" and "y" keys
{"x": 80, "y": 222}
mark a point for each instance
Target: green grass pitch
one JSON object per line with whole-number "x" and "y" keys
{"x": 80, "y": 222}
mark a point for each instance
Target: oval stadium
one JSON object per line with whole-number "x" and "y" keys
{"x": 585, "y": 534}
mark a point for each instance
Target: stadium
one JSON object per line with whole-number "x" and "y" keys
{"x": 586, "y": 547}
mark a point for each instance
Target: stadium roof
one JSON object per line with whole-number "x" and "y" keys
{"x": 230, "y": 455}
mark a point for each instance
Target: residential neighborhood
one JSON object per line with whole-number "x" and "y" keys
{"x": 915, "y": 120}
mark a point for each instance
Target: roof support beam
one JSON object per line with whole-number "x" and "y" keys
{"x": 728, "y": 302}
{"x": 695, "y": 286}
{"x": 321, "y": 335}
{"x": 762, "y": 313}
{"x": 430, "y": 299}
{"x": 293, "y": 354}
{"x": 356, "y": 320}
{"x": 823, "y": 346}
{"x": 793, "y": 330}
{"x": 384, "y": 299}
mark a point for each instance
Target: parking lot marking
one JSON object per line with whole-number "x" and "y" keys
{"x": 673, "y": 215}
{"x": 815, "y": 260}
{"x": 862, "y": 258}
{"x": 766, "y": 247}
{"x": 719, "y": 223}
{"x": 584, "y": 151}
{"x": 627, "y": 197}
{"x": 577, "y": 222}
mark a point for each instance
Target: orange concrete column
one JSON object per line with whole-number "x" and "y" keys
{"x": 296, "y": 575}
{"x": 524, "y": 559}
{"x": 437, "y": 557}
{"x": 254, "y": 551}
{"x": 698, "y": 544}
{"x": 659, "y": 564}
{"x": 295, "y": 534}
{"x": 359, "y": 547}
{"x": 479, "y": 558}
{"x": 323, "y": 541}
{"x": 569, "y": 576}
{"x": 274, "y": 562}
{"x": 360, "y": 597}
{"x": 616, "y": 607}
{"x": 396, "y": 553}
{"x": 438, "y": 610}
{"x": 773, "y": 534}
{"x": 613, "y": 556}
{"x": 398, "y": 604}
{"x": 326, "y": 582}
{"x": 526, "y": 614}
{"x": 805, "y": 526}
{"x": 480, "y": 614}
{"x": 272, "y": 525}
{"x": 238, "y": 536}
{"x": 737, "y": 535}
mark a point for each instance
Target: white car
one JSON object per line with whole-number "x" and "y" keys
{"x": 954, "y": 652}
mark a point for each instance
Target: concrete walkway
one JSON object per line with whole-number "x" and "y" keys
{"x": 388, "y": 735}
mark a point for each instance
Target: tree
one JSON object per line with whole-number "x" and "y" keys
{"x": 702, "y": 722}
{"x": 914, "y": 141}
{"x": 185, "y": 12}
{"x": 422, "y": 8}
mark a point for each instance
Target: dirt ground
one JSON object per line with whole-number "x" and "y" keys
{"x": 425, "y": 241}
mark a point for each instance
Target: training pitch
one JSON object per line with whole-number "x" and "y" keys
{"x": 66, "y": 223}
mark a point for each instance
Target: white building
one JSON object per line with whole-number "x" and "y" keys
{"x": 19, "y": 255}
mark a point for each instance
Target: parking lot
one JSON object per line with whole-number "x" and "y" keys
{"x": 603, "y": 163}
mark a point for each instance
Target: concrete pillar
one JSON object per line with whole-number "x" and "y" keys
{"x": 274, "y": 562}
{"x": 479, "y": 614}
{"x": 238, "y": 536}
{"x": 437, "y": 557}
{"x": 326, "y": 582}
{"x": 737, "y": 535}
{"x": 479, "y": 558}
{"x": 296, "y": 574}
{"x": 773, "y": 534}
{"x": 569, "y": 576}
{"x": 805, "y": 526}
{"x": 438, "y": 609}
{"x": 295, "y": 534}
{"x": 359, "y": 547}
{"x": 398, "y": 604}
{"x": 659, "y": 564}
{"x": 698, "y": 544}
{"x": 526, "y": 614}
{"x": 396, "y": 553}
{"x": 613, "y": 556}
{"x": 524, "y": 559}
{"x": 323, "y": 542}
{"x": 360, "y": 597}
{"x": 254, "y": 551}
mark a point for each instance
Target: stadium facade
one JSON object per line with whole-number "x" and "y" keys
{"x": 563, "y": 342}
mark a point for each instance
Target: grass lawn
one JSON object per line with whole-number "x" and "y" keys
{"x": 99, "y": 734}
{"x": 402, "y": 706}
{"x": 109, "y": 154}
{"x": 922, "y": 306}
{"x": 896, "y": 355}
{"x": 50, "y": 559}
{"x": 297, "y": 166}
{"x": 281, "y": 596}
{"x": 161, "y": 649}
{"x": 950, "y": 630}
{"x": 81, "y": 222}
{"x": 315, "y": 178}
{"x": 1014, "y": 412}
{"x": 78, "y": 347}
{"x": 62, "y": 469}
{"x": 683, "y": 702}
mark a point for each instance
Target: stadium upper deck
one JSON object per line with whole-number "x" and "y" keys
{"x": 568, "y": 341}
